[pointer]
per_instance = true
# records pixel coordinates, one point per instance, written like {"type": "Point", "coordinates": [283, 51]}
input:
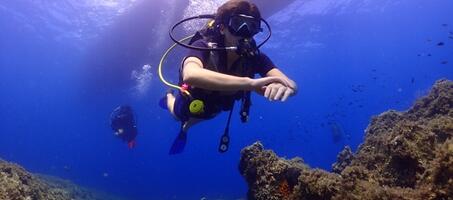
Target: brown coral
{"type": "Point", "coordinates": [284, 189]}
{"type": "Point", "coordinates": [18, 184]}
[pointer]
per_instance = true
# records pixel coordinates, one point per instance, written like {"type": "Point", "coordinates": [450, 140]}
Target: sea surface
{"type": "Point", "coordinates": [65, 65]}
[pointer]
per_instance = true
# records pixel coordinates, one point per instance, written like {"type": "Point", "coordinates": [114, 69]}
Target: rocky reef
{"type": "Point", "coordinates": [18, 184]}
{"type": "Point", "coordinates": [405, 155]}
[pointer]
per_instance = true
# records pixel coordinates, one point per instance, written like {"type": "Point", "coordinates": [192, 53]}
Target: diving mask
{"type": "Point", "coordinates": [244, 25]}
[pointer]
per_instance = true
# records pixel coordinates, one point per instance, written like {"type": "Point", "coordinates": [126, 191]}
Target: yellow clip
{"type": "Point", "coordinates": [211, 23]}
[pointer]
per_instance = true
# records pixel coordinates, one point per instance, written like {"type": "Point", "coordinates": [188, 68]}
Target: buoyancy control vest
{"type": "Point", "coordinates": [216, 101]}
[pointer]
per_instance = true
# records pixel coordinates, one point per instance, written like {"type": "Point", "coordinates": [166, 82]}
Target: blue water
{"type": "Point", "coordinates": [65, 65]}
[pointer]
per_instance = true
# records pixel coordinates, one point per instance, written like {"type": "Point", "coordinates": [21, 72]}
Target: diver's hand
{"type": "Point", "coordinates": [292, 85]}
{"type": "Point", "coordinates": [259, 83]}
{"type": "Point", "coordinates": [277, 91]}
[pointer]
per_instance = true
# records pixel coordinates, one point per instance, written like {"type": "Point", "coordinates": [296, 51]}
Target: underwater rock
{"type": "Point", "coordinates": [17, 183]}
{"type": "Point", "coordinates": [405, 155]}
{"type": "Point", "coordinates": [344, 158]}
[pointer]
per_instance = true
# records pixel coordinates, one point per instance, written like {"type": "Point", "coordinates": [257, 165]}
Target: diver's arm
{"type": "Point", "coordinates": [194, 74]}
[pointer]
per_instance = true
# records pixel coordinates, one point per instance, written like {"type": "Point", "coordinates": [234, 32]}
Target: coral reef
{"type": "Point", "coordinates": [405, 155]}
{"type": "Point", "coordinates": [18, 184]}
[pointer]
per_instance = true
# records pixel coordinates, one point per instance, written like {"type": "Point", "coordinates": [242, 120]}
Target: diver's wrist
{"type": "Point", "coordinates": [248, 83]}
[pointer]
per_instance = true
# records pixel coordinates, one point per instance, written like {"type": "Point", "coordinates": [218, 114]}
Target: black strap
{"type": "Point", "coordinates": [245, 106]}
{"type": "Point", "coordinates": [225, 139]}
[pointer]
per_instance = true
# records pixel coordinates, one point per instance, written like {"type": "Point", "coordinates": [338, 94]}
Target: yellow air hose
{"type": "Point", "coordinates": [162, 62]}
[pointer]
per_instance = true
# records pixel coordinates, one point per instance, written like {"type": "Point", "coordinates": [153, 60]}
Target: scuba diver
{"type": "Point", "coordinates": [220, 69]}
{"type": "Point", "coordinates": [123, 124]}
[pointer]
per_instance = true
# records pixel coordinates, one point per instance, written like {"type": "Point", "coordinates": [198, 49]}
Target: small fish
{"type": "Point", "coordinates": [444, 25]}
{"type": "Point", "coordinates": [412, 80]}
{"type": "Point", "coordinates": [428, 40]}
{"type": "Point", "coordinates": [451, 37]}
{"type": "Point", "coordinates": [444, 62]}
{"type": "Point", "coordinates": [348, 136]}
{"type": "Point", "coordinates": [440, 44]}
{"type": "Point", "coordinates": [423, 54]}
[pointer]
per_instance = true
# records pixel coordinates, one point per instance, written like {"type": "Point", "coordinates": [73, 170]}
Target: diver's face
{"type": "Point", "coordinates": [230, 39]}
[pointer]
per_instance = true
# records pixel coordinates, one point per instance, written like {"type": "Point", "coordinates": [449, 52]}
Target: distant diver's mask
{"type": "Point", "coordinates": [244, 25]}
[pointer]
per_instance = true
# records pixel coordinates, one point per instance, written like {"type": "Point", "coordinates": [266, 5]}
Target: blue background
{"type": "Point", "coordinates": [65, 65]}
